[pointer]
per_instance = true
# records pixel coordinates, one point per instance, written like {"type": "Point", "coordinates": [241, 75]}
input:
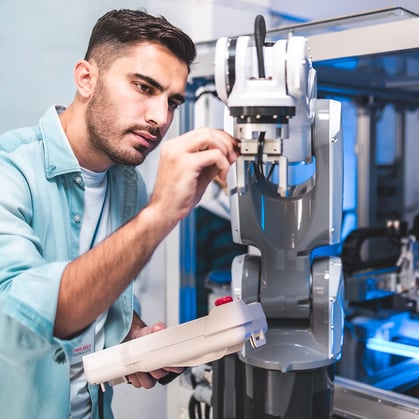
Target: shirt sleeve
{"type": "Point", "coordinates": [29, 284]}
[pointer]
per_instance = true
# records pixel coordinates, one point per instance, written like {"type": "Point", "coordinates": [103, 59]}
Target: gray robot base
{"type": "Point", "coordinates": [242, 391]}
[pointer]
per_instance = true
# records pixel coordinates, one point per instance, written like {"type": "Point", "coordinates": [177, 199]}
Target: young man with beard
{"type": "Point", "coordinates": [75, 228]}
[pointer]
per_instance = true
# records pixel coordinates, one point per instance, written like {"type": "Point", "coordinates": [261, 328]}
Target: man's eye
{"type": "Point", "coordinates": [173, 105]}
{"type": "Point", "coordinates": [144, 88]}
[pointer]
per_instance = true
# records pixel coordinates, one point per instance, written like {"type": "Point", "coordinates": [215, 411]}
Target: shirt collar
{"type": "Point", "coordinates": [59, 156]}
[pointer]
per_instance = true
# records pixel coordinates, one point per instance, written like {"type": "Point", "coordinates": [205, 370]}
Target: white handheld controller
{"type": "Point", "coordinates": [223, 331]}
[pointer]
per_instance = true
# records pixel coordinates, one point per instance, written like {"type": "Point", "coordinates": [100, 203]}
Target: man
{"type": "Point", "coordinates": [74, 226]}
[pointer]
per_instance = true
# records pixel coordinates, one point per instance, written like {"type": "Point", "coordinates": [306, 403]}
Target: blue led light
{"type": "Point", "coordinates": [262, 213]}
{"type": "Point", "coordinates": [393, 348]}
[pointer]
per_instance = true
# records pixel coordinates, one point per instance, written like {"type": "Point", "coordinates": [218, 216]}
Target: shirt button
{"type": "Point", "coordinates": [78, 180]}
{"type": "Point", "coordinates": [77, 218]}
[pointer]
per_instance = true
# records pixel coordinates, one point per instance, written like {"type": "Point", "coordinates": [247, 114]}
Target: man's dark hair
{"type": "Point", "coordinates": [118, 29]}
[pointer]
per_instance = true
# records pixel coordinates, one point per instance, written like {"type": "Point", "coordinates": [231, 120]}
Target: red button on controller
{"type": "Point", "coordinates": [223, 300]}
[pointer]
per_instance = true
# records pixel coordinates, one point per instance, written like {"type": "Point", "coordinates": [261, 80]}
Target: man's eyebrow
{"type": "Point", "coordinates": [158, 86]}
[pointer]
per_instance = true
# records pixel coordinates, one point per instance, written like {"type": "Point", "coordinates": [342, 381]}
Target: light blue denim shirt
{"type": "Point", "coordinates": [41, 209]}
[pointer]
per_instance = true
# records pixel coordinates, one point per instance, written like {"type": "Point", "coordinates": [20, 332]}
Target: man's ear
{"type": "Point", "coordinates": [85, 75]}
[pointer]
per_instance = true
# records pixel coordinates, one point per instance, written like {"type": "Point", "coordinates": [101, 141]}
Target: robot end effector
{"type": "Point", "coordinates": [270, 90]}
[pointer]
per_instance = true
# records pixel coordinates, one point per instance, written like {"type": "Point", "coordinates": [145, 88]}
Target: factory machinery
{"type": "Point", "coordinates": [317, 290]}
{"type": "Point", "coordinates": [286, 201]}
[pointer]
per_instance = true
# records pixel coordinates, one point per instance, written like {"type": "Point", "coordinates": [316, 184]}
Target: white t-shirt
{"type": "Point", "coordinates": [95, 227]}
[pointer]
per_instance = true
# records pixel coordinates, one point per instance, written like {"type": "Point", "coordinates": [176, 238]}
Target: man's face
{"type": "Point", "coordinates": [133, 103]}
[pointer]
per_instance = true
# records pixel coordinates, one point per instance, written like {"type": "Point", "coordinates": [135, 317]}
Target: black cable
{"type": "Point", "coordinates": [194, 409]}
{"type": "Point", "coordinates": [259, 157]}
{"type": "Point", "coordinates": [191, 408]}
{"type": "Point", "coordinates": [100, 403]}
{"type": "Point", "coordinates": [260, 33]}
{"type": "Point", "coordinates": [207, 411]}
{"type": "Point", "coordinates": [194, 405]}
{"type": "Point", "coordinates": [271, 170]}
{"type": "Point", "coordinates": [207, 92]}
{"type": "Point", "coordinates": [169, 378]}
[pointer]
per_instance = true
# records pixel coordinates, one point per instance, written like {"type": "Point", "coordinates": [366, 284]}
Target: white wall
{"type": "Point", "coordinates": [39, 44]}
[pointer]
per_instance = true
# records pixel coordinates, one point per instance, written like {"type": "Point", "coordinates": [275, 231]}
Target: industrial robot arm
{"type": "Point", "coordinates": [286, 197]}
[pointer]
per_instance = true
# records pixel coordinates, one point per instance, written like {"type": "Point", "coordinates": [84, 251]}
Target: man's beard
{"type": "Point", "coordinates": [104, 136]}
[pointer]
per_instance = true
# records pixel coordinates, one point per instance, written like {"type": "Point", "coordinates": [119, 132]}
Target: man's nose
{"type": "Point", "coordinates": [157, 111]}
